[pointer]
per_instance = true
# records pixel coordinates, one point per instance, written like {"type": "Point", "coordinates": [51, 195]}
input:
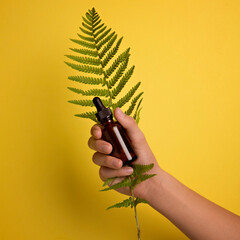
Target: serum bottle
{"type": "Point", "coordinates": [114, 133]}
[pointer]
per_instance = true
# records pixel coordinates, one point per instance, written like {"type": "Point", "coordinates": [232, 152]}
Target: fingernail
{"type": "Point", "coordinates": [120, 112]}
{"type": "Point", "coordinates": [129, 170]}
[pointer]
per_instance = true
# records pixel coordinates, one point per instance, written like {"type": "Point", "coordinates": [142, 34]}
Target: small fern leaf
{"type": "Point", "coordinates": [91, 92]}
{"type": "Point", "coordinates": [108, 181]}
{"type": "Point", "coordinates": [138, 115]}
{"type": "Point", "coordinates": [90, 115]}
{"type": "Point", "coordinates": [87, 103]}
{"type": "Point", "coordinates": [119, 73]}
{"type": "Point", "coordinates": [136, 111]}
{"type": "Point", "coordinates": [140, 169]}
{"type": "Point", "coordinates": [133, 104]}
{"type": "Point", "coordinates": [86, 21]}
{"type": "Point", "coordinates": [87, 27]}
{"type": "Point", "coordinates": [86, 69]}
{"type": "Point", "coordinates": [124, 183]}
{"type": "Point", "coordinates": [85, 60]}
{"type": "Point", "coordinates": [105, 40]}
{"type": "Point", "coordinates": [116, 63]}
{"type": "Point", "coordinates": [89, 39]}
{"type": "Point", "coordinates": [91, 53]}
{"type": "Point", "coordinates": [142, 178]}
{"type": "Point", "coordinates": [122, 83]}
{"type": "Point", "coordinates": [96, 23]}
{"type": "Point", "coordinates": [100, 31]}
{"type": "Point", "coordinates": [122, 101]}
{"type": "Point", "coordinates": [103, 35]}
{"type": "Point", "coordinates": [111, 53]}
{"type": "Point", "coordinates": [86, 80]}
{"type": "Point", "coordinates": [139, 200]}
{"type": "Point", "coordinates": [125, 203]}
{"type": "Point", "coordinates": [98, 27]}
{"type": "Point", "coordinates": [86, 32]}
{"type": "Point", "coordinates": [84, 44]}
{"type": "Point", "coordinates": [108, 46]}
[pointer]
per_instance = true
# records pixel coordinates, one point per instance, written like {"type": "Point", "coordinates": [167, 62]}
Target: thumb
{"type": "Point", "coordinates": [133, 131]}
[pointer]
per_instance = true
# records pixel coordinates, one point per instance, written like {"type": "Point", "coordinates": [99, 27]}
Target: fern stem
{"type": "Point", "coordinates": [135, 212]}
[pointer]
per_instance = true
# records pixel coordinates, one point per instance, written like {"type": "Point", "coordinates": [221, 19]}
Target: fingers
{"type": "Point", "coordinates": [106, 160]}
{"type": "Point", "coordinates": [96, 131]}
{"type": "Point", "coordinates": [100, 145]}
{"type": "Point", "coordinates": [106, 173]}
{"type": "Point", "coordinates": [128, 122]}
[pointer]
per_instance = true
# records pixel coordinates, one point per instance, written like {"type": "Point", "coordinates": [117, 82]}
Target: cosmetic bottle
{"type": "Point", "coordinates": [114, 133]}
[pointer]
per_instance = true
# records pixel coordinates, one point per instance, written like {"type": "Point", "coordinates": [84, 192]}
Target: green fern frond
{"type": "Point", "coordinates": [85, 60]}
{"type": "Point", "coordinates": [87, 103]}
{"type": "Point", "coordinates": [86, 80]}
{"type": "Point", "coordinates": [105, 40]}
{"type": "Point", "coordinates": [122, 82]}
{"type": "Point", "coordinates": [85, 68]}
{"type": "Point", "coordinates": [86, 32]}
{"type": "Point", "coordinates": [123, 183]}
{"type": "Point", "coordinates": [138, 115]}
{"type": "Point", "coordinates": [133, 104]}
{"type": "Point", "coordinates": [86, 21]}
{"type": "Point", "coordinates": [122, 101]}
{"type": "Point", "coordinates": [108, 46]}
{"type": "Point", "coordinates": [103, 35]}
{"type": "Point", "coordinates": [99, 32]}
{"type": "Point", "coordinates": [91, 92]}
{"type": "Point", "coordinates": [119, 73]}
{"type": "Point", "coordinates": [108, 181]}
{"type": "Point", "coordinates": [139, 200]}
{"type": "Point", "coordinates": [140, 169]}
{"type": "Point", "coordinates": [84, 43]}
{"type": "Point", "coordinates": [96, 23]}
{"type": "Point", "coordinates": [90, 115]}
{"type": "Point", "coordinates": [136, 111]}
{"type": "Point", "coordinates": [89, 39]}
{"type": "Point", "coordinates": [92, 53]}
{"type": "Point", "coordinates": [142, 178]}
{"type": "Point", "coordinates": [125, 203]}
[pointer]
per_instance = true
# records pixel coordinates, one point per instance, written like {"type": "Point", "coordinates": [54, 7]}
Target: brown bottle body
{"type": "Point", "coordinates": [114, 133]}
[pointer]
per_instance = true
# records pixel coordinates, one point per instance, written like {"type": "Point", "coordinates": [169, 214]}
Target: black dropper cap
{"type": "Point", "coordinates": [103, 114]}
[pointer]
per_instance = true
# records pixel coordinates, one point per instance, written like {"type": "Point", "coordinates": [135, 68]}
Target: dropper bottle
{"type": "Point", "coordinates": [114, 133]}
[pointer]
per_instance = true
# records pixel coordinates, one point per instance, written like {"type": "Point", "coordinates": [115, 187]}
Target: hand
{"type": "Point", "coordinates": [111, 166]}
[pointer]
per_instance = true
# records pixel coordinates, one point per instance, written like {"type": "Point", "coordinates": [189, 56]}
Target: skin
{"type": "Point", "coordinates": [194, 215]}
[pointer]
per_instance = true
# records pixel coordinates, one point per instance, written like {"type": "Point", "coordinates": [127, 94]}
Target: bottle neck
{"type": "Point", "coordinates": [107, 121]}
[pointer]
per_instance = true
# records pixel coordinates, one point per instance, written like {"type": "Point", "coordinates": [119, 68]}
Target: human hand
{"type": "Point", "coordinates": [111, 166]}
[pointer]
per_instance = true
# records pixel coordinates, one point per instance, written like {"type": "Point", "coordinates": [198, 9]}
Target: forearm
{"type": "Point", "coordinates": [194, 215]}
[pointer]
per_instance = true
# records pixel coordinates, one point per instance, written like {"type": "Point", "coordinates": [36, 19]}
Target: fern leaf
{"type": "Point", "coordinates": [136, 111]}
{"type": "Point", "coordinates": [86, 32]}
{"type": "Point", "coordinates": [99, 32]}
{"type": "Point", "coordinates": [86, 21]}
{"type": "Point", "coordinates": [124, 183]}
{"type": "Point", "coordinates": [105, 40]}
{"type": "Point", "coordinates": [87, 103]}
{"type": "Point", "coordinates": [133, 104]}
{"type": "Point", "coordinates": [122, 101]}
{"type": "Point", "coordinates": [89, 39]}
{"type": "Point", "coordinates": [87, 27]}
{"type": "Point", "coordinates": [89, 16]}
{"type": "Point", "coordinates": [122, 82]}
{"type": "Point", "coordinates": [86, 80]}
{"type": "Point", "coordinates": [84, 44]}
{"type": "Point", "coordinates": [85, 60]}
{"type": "Point", "coordinates": [142, 178]}
{"type": "Point", "coordinates": [108, 46]}
{"type": "Point", "coordinates": [119, 73]}
{"type": "Point", "coordinates": [86, 69]}
{"type": "Point", "coordinates": [139, 200]}
{"type": "Point", "coordinates": [140, 169]}
{"type": "Point", "coordinates": [138, 116]}
{"type": "Point", "coordinates": [112, 53]}
{"type": "Point", "coordinates": [125, 203]}
{"type": "Point", "coordinates": [91, 92]}
{"type": "Point", "coordinates": [103, 35]}
{"type": "Point", "coordinates": [109, 180]}
{"type": "Point", "coordinates": [90, 115]}
{"type": "Point", "coordinates": [92, 53]}
{"type": "Point", "coordinates": [96, 23]}
{"type": "Point", "coordinates": [98, 27]}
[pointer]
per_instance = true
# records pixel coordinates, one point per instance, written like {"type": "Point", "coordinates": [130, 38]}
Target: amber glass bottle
{"type": "Point", "coordinates": [114, 133]}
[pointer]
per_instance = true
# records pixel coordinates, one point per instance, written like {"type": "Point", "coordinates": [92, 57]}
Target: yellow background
{"type": "Point", "coordinates": [186, 55]}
